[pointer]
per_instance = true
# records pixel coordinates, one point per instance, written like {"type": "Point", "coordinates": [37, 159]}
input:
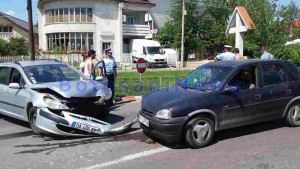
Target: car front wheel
{"type": "Point", "coordinates": [199, 132]}
{"type": "Point", "coordinates": [293, 115]}
{"type": "Point", "coordinates": [32, 120]}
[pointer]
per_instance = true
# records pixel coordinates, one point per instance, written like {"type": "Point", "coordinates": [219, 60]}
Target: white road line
{"type": "Point", "coordinates": [129, 158]}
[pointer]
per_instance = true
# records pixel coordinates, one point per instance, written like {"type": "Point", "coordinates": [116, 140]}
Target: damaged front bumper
{"type": "Point", "coordinates": [70, 124]}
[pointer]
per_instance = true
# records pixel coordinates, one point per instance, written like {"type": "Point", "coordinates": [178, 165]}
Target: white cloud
{"type": "Point", "coordinates": [10, 12]}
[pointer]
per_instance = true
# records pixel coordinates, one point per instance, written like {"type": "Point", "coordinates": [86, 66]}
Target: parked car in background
{"type": "Point", "coordinates": [54, 98]}
{"type": "Point", "coordinates": [222, 95]}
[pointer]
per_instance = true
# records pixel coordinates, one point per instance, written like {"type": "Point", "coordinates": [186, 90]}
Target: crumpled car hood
{"type": "Point", "coordinates": [70, 89]}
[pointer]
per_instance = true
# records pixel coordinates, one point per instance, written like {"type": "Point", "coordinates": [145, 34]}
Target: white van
{"type": "Point", "coordinates": [150, 50]}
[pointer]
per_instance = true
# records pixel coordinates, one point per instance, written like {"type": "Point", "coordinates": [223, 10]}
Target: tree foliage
{"type": "Point", "coordinates": [206, 22]}
{"type": "Point", "coordinates": [14, 47]}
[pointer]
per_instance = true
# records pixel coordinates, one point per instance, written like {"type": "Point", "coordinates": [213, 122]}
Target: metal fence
{"type": "Point", "coordinates": [70, 59]}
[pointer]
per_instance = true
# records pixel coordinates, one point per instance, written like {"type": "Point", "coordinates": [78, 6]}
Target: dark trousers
{"type": "Point", "coordinates": [111, 85]}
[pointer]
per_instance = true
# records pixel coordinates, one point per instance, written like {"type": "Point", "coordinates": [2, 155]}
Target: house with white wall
{"type": "Point", "coordinates": [78, 26]}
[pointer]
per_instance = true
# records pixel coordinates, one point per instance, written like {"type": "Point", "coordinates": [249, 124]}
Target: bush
{"type": "Point", "coordinates": [14, 47]}
{"type": "Point", "coordinates": [18, 46]}
{"type": "Point", "coordinates": [291, 53]}
{"type": "Point", "coordinates": [4, 48]}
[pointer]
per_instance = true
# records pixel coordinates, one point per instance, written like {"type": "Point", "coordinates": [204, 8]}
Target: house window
{"type": "Point", "coordinates": [5, 29]}
{"type": "Point", "coordinates": [130, 20]}
{"type": "Point", "coordinates": [69, 15]}
{"type": "Point", "coordinates": [70, 41]}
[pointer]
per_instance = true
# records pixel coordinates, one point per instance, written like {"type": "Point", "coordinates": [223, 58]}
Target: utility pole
{"type": "Point", "coordinates": [30, 24]}
{"type": "Point", "coordinates": [182, 34]}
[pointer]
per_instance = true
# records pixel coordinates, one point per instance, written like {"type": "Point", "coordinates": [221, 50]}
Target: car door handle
{"type": "Point", "coordinates": [289, 91]}
{"type": "Point", "coordinates": [258, 96]}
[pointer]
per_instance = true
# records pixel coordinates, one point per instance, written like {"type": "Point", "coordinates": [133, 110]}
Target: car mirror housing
{"type": "Point", "coordinates": [14, 86]}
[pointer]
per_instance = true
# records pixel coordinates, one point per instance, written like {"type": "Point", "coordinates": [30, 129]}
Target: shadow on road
{"type": "Point", "coordinates": [73, 142]}
{"type": "Point", "coordinates": [232, 133]}
{"type": "Point", "coordinates": [15, 121]}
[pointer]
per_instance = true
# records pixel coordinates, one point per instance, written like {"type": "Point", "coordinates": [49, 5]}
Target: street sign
{"type": "Point", "coordinates": [141, 65]}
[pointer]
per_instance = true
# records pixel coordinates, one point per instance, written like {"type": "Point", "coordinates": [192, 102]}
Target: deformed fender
{"type": "Point", "coordinates": [38, 101]}
{"type": "Point", "coordinates": [207, 111]}
{"type": "Point", "coordinates": [289, 104]}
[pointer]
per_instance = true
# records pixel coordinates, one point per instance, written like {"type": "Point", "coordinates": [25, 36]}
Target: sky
{"type": "Point", "coordinates": [17, 8]}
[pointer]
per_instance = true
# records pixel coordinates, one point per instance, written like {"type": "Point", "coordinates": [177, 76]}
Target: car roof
{"type": "Point", "coordinates": [32, 63]}
{"type": "Point", "coordinates": [238, 63]}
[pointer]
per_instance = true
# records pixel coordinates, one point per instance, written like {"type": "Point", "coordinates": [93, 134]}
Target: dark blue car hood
{"type": "Point", "coordinates": [175, 99]}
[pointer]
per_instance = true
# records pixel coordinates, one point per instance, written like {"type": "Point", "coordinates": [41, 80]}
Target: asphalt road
{"type": "Point", "coordinates": [261, 146]}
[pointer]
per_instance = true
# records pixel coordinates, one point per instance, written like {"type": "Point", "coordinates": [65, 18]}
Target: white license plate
{"type": "Point", "coordinates": [144, 121]}
{"type": "Point", "coordinates": [83, 127]}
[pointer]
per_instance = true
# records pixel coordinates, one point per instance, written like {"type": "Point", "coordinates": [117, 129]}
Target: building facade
{"type": "Point", "coordinates": [14, 27]}
{"type": "Point", "coordinates": [78, 26]}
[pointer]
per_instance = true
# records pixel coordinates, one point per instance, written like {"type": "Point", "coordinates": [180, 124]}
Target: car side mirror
{"type": "Point", "coordinates": [230, 89]}
{"type": "Point", "coordinates": [164, 52]}
{"type": "Point", "coordinates": [14, 86]}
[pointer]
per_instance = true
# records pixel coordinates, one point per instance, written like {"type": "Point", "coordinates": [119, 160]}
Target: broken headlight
{"type": "Point", "coordinates": [55, 104]}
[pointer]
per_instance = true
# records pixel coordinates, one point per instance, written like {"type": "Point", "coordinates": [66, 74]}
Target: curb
{"type": "Point", "coordinates": [128, 98]}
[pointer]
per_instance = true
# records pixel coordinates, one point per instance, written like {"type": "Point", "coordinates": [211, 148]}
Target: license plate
{"type": "Point", "coordinates": [83, 127]}
{"type": "Point", "coordinates": [144, 121]}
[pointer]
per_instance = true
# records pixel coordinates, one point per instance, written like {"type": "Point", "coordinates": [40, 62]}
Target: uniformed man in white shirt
{"type": "Point", "coordinates": [111, 71]}
{"type": "Point", "coordinates": [226, 55]}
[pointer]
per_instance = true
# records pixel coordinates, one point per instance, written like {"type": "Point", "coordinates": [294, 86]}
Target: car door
{"type": "Point", "coordinates": [17, 99]}
{"type": "Point", "coordinates": [4, 76]}
{"type": "Point", "coordinates": [235, 111]}
{"type": "Point", "coordinates": [275, 79]}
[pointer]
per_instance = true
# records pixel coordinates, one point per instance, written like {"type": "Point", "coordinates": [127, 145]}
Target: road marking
{"type": "Point", "coordinates": [129, 158]}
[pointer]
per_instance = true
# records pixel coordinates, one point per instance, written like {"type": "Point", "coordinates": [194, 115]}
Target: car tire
{"type": "Point", "coordinates": [199, 132]}
{"type": "Point", "coordinates": [32, 120]}
{"type": "Point", "coordinates": [293, 115]}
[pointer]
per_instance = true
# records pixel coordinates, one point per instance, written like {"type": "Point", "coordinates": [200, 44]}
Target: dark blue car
{"type": "Point", "coordinates": [222, 95]}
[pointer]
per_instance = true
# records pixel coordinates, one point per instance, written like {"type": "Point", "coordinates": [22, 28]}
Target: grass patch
{"type": "Point", "coordinates": [129, 84]}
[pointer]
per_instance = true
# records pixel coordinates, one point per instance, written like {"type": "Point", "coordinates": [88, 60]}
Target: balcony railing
{"type": "Point", "coordinates": [136, 30]}
{"type": "Point", "coordinates": [5, 35]}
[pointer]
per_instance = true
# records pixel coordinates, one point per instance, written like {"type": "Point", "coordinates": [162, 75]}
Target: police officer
{"type": "Point", "coordinates": [226, 55]}
{"type": "Point", "coordinates": [111, 71]}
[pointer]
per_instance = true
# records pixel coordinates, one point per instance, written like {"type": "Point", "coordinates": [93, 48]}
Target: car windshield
{"type": "Point", "coordinates": [206, 78]}
{"type": "Point", "coordinates": [154, 50]}
{"type": "Point", "coordinates": [52, 73]}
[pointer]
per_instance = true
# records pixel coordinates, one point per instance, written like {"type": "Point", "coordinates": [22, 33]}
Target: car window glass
{"type": "Point", "coordinates": [51, 73]}
{"type": "Point", "coordinates": [15, 76]}
{"type": "Point", "coordinates": [273, 74]}
{"type": "Point", "coordinates": [245, 79]}
{"type": "Point", "coordinates": [293, 71]}
{"type": "Point", "coordinates": [4, 71]}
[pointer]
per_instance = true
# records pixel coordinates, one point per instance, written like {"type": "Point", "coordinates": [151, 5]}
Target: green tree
{"type": "Point", "coordinates": [4, 51]}
{"type": "Point", "coordinates": [18, 46]}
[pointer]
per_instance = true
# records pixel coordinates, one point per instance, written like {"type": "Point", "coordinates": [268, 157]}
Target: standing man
{"type": "Point", "coordinates": [226, 55]}
{"type": "Point", "coordinates": [266, 54]}
{"type": "Point", "coordinates": [111, 71]}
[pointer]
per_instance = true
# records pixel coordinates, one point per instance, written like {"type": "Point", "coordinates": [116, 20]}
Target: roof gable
{"type": "Point", "coordinates": [245, 18]}
{"type": "Point", "coordinates": [19, 22]}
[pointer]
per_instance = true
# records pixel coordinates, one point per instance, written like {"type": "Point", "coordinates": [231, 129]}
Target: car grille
{"type": "Point", "coordinates": [147, 112]}
{"type": "Point", "coordinates": [159, 60]}
{"type": "Point", "coordinates": [84, 106]}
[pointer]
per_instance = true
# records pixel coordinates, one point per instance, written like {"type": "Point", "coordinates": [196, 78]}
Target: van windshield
{"type": "Point", "coordinates": [154, 50]}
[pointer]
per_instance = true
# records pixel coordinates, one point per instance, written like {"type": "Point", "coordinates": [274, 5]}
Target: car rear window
{"type": "Point", "coordinates": [4, 72]}
{"type": "Point", "coordinates": [293, 71]}
{"type": "Point", "coordinates": [274, 74]}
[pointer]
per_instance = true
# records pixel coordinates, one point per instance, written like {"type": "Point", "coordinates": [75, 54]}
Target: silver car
{"type": "Point", "coordinates": [54, 98]}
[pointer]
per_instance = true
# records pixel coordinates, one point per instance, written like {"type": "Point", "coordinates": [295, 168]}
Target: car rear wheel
{"type": "Point", "coordinates": [199, 132]}
{"type": "Point", "coordinates": [293, 115]}
{"type": "Point", "coordinates": [32, 120]}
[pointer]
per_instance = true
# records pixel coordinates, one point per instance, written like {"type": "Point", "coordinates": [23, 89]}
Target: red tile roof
{"type": "Point", "coordinates": [296, 23]}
